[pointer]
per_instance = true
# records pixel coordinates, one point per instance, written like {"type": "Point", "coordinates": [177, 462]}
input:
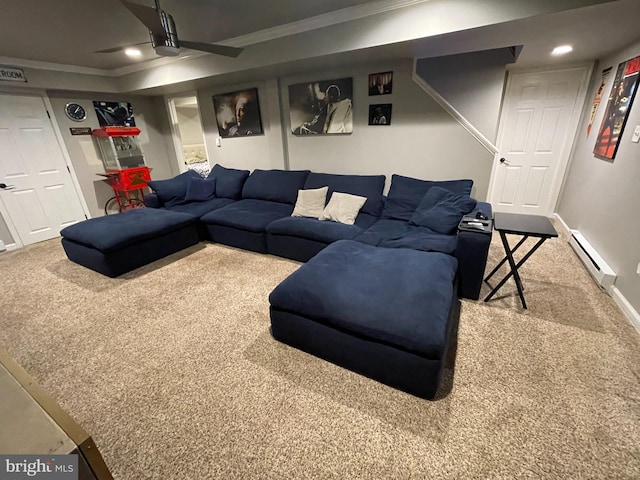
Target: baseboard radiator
{"type": "Point", "coordinates": [596, 266]}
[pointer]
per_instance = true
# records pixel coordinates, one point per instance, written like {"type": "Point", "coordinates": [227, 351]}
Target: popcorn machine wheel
{"type": "Point", "coordinates": [128, 186]}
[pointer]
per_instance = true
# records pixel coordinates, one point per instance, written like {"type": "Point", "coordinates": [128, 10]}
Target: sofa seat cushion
{"type": "Point", "coordinates": [114, 232]}
{"type": "Point", "coordinates": [370, 186]}
{"type": "Point", "coordinates": [314, 229]}
{"type": "Point", "coordinates": [400, 297]}
{"type": "Point", "coordinates": [198, 209]}
{"type": "Point", "coordinates": [251, 215]}
{"type": "Point", "coordinates": [399, 234]}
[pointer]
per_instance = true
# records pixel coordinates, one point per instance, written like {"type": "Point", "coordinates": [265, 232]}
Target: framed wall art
{"type": "Point", "coordinates": [380, 83]}
{"type": "Point", "coordinates": [625, 85]}
{"type": "Point", "coordinates": [321, 107]}
{"type": "Point", "coordinates": [380, 114]}
{"type": "Point", "coordinates": [238, 113]}
{"type": "Point", "coordinates": [114, 114]}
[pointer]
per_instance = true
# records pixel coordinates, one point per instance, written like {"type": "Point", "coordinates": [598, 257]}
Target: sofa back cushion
{"type": "Point", "coordinates": [406, 193]}
{"type": "Point", "coordinates": [229, 181]}
{"type": "Point", "coordinates": [370, 186]}
{"type": "Point", "coordinates": [172, 192]}
{"type": "Point", "coordinates": [441, 210]}
{"type": "Point", "coordinates": [275, 185]}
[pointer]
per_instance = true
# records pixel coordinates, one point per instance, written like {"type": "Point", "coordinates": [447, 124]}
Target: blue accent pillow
{"type": "Point", "coordinates": [200, 189]}
{"type": "Point", "coordinates": [406, 193]}
{"type": "Point", "coordinates": [441, 210]}
{"type": "Point", "coordinates": [229, 181]}
{"type": "Point", "coordinates": [171, 192]}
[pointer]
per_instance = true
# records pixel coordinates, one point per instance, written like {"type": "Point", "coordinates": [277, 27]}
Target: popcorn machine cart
{"type": "Point", "coordinates": [125, 169]}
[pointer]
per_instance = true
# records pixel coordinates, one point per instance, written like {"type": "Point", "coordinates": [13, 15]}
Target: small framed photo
{"type": "Point", "coordinates": [380, 114]}
{"type": "Point", "coordinates": [380, 83]}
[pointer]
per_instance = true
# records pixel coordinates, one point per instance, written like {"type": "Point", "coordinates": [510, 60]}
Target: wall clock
{"type": "Point", "coordinates": [75, 112]}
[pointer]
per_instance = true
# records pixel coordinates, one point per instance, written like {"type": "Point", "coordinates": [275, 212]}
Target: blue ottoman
{"type": "Point", "coordinates": [117, 244]}
{"type": "Point", "coordinates": [382, 312]}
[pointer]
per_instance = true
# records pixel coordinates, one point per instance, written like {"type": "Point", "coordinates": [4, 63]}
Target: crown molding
{"type": "Point", "coordinates": [343, 15]}
{"type": "Point", "coordinates": [59, 67]}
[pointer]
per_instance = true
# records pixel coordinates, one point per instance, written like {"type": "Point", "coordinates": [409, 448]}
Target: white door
{"type": "Point", "coordinates": [539, 119]}
{"type": "Point", "coordinates": [39, 196]}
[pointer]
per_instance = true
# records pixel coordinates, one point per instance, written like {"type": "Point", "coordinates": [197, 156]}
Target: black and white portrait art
{"type": "Point", "coordinates": [322, 107]}
{"type": "Point", "coordinates": [238, 113]}
{"type": "Point", "coordinates": [380, 114]}
{"type": "Point", "coordinates": [380, 83]}
{"type": "Point", "coordinates": [114, 114]}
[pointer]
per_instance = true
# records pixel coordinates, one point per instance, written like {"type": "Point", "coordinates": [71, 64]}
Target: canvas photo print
{"type": "Point", "coordinates": [238, 113]}
{"type": "Point", "coordinates": [114, 114]}
{"type": "Point", "coordinates": [380, 114]}
{"type": "Point", "coordinates": [321, 107]}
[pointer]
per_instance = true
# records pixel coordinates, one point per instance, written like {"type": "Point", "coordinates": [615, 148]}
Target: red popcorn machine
{"type": "Point", "coordinates": [125, 169]}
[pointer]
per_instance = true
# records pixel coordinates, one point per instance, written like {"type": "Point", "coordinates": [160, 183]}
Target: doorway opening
{"type": "Point", "coordinates": [188, 135]}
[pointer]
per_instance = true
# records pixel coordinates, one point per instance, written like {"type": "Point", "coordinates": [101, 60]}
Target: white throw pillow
{"type": "Point", "coordinates": [310, 203]}
{"type": "Point", "coordinates": [343, 208]}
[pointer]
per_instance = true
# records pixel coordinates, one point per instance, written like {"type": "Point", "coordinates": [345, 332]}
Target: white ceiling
{"type": "Point", "coordinates": [68, 32]}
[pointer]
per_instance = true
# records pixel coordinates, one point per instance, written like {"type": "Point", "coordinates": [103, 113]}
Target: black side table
{"type": "Point", "coordinates": [528, 226]}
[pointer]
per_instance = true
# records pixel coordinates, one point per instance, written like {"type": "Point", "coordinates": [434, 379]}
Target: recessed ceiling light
{"type": "Point", "coordinates": [132, 52]}
{"type": "Point", "coordinates": [562, 49]}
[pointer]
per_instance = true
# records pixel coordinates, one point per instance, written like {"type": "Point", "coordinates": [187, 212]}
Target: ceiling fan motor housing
{"type": "Point", "coordinates": [166, 45]}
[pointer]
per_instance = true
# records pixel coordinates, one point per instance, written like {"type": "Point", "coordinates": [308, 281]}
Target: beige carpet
{"type": "Point", "coordinates": [174, 372]}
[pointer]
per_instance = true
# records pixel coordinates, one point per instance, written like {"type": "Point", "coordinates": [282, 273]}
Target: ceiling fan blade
{"type": "Point", "coordinates": [147, 15]}
{"type": "Point", "coordinates": [119, 49]}
{"type": "Point", "coordinates": [211, 48]}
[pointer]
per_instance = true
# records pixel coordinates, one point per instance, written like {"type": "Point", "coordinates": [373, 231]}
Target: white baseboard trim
{"type": "Point", "coordinates": [631, 313]}
{"type": "Point", "coordinates": [565, 228]}
{"type": "Point", "coordinates": [622, 302]}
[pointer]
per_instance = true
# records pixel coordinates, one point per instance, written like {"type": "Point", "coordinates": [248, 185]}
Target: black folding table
{"type": "Point", "coordinates": [527, 226]}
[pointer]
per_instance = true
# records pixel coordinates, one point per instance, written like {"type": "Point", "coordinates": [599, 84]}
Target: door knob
{"type": "Point", "coordinates": [504, 160]}
{"type": "Point", "coordinates": [4, 186]}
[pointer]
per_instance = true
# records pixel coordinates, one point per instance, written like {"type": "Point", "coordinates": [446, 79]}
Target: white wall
{"type": "Point", "coordinates": [189, 125]}
{"type": "Point", "coordinates": [422, 141]}
{"type": "Point", "coordinates": [601, 197]}
{"type": "Point", "coordinates": [472, 83]}
{"type": "Point", "coordinates": [250, 152]}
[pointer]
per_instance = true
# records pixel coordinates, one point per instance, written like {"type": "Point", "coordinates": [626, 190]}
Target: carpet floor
{"type": "Point", "coordinates": [173, 371]}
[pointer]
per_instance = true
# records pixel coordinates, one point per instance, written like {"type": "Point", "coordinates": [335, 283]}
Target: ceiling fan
{"type": "Point", "coordinates": [164, 36]}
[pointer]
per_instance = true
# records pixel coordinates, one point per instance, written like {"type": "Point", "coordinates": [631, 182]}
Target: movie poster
{"type": "Point", "coordinates": [619, 105]}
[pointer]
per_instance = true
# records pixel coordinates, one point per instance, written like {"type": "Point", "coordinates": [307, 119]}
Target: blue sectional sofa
{"type": "Point", "coordinates": [379, 291]}
{"type": "Point", "coordinates": [253, 211]}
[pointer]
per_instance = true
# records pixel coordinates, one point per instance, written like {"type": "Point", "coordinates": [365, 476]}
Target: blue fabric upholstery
{"type": "Point", "coordinates": [198, 209]}
{"type": "Point", "coordinates": [406, 193]}
{"type": "Point", "coordinates": [274, 185]}
{"type": "Point", "coordinates": [370, 186]}
{"type": "Point", "coordinates": [400, 297]}
{"type": "Point", "coordinates": [441, 211]}
{"type": "Point", "coordinates": [172, 191]}
{"type": "Point", "coordinates": [117, 262]}
{"type": "Point", "coordinates": [251, 215]}
{"type": "Point", "coordinates": [313, 229]}
{"type": "Point", "coordinates": [200, 189]}
{"type": "Point", "coordinates": [399, 234]}
{"type": "Point", "coordinates": [472, 250]}
{"type": "Point", "coordinates": [229, 181]}
{"type": "Point", "coordinates": [151, 200]}
{"type": "Point", "coordinates": [113, 232]}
